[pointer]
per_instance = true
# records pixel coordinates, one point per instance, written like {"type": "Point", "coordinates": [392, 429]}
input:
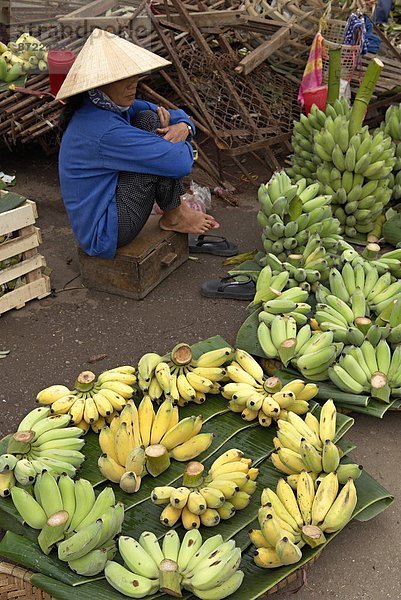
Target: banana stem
{"type": "Point", "coordinates": [313, 536]}
{"type": "Point", "coordinates": [193, 474]}
{"type": "Point", "coordinates": [380, 388]}
{"type": "Point", "coordinates": [272, 385]}
{"type": "Point", "coordinates": [181, 354]}
{"type": "Point", "coordinates": [20, 442]}
{"type": "Point", "coordinates": [364, 95]}
{"type": "Point", "coordinates": [286, 350]}
{"type": "Point", "coordinates": [371, 251]}
{"type": "Point", "coordinates": [333, 88]}
{"type": "Point", "coordinates": [84, 381]}
{"type": "Point", "coordinates": [53, 531]}
{"type": "Point", "coordinates": [363, 324]}
{"type": "Point", "coordinates": [157, 459]}
{"type": "Point", "coordinates": [169, 578]}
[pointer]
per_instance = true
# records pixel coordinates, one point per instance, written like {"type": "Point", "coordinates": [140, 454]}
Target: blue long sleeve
{"type": "Point", "coordinates": [131, 149]}
{"type": "Point", "coordinates": [96, 146]}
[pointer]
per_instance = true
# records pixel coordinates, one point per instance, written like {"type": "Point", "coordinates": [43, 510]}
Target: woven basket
{"type": "Point", "coordinates": [332, 31]}
{"type": "Point", "coordinates": [15, 582]}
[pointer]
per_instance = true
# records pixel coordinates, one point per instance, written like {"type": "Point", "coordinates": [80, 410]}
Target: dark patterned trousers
{"type": "Point", "coordinates": [136, 193]}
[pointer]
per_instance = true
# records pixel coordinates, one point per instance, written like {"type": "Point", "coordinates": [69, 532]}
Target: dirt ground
{"type": "Point", "coordinates": [51, 341]}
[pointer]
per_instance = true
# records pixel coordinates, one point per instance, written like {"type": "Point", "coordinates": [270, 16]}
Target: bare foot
{"type": "Point", "coordinates": [186, 220]}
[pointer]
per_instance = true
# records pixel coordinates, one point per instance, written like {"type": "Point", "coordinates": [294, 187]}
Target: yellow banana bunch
{"type": "Point", "coordinates": [205, 500]}
{"type": "Point", "coordinates": [290, 518]}
{"type": "Point", "coordinates": [92, 401]}
{"type": "Point", "coordinates": [141, 440]}
{"type": "Point", "coordinates": [256, 396]}
{"type": "Point", "coordinates": [180, 377]}
{"type": "Point", "coordinates": [307, 445]}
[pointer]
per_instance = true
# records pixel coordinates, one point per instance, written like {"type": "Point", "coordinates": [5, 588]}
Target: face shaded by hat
{"type": "Point", "coordinates": [106, 58]}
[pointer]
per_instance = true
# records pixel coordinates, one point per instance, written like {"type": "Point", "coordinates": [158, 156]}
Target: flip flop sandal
{"type": "Point", "coordinates": [229, 288]}
{"type": "Point", "coordinates": [209, 243]}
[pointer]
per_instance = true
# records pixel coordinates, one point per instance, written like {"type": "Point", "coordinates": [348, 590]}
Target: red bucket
{"type": "Point", "coordinates": [317, 95]}
{"type": "Point", "coordinates": [59, 62]}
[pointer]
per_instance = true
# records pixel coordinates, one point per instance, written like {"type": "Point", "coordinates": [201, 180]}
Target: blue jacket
{"type": "Point", "coordinates": [95, 147]}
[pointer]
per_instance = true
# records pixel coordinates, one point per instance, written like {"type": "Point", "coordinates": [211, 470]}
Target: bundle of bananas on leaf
{"type": "Point", "coordinates": [141, 441]}
{"type": "Point", "coordinates": [276, 300]}
{"type": "Point", "coordinates": [209, 569]}
{"type": "Point", "coordinates": [42, 442]}
{"type": "Point", "coordinates": [383, 261]}
{"type": "Point", "coordinates": [180, 377]}
{"type": "Point", "coordinates": [309, 265]}
{"type": "Point", "coordinates": [92, 402]}
{"type": "Point", "coordinates": [392, 127]}
{"type": "Point", "coordinates": [256, 396]}
{"type": "Point", "coordinates": [354, 296]}
{"type": "Point", "coordinates": [70, 515]}
{"type": "Point", "coordinates": [290, 213]}
{"type": "Point", "coordinates": [289, 520]}
{"type": "Point", "coordinates": [372, 368]}
{"type": "Point", "coordinates": [356, 171]}
{"type": "Point", "coordinates": [311, 352]}
{"type": "Point", "coordinates": [17, 58]}
{"type": "Point", "coordinates": [305, 161]}
{"type": "Point", "coordinates": [205, 500]}
{"type": "Point", "coordinates": [307, 445]}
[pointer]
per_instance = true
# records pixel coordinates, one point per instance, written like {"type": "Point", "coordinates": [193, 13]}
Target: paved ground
{"type": "Point", "coordinates": [52, 340]}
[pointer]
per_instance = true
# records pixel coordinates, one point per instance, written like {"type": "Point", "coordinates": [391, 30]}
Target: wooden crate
{"type": "Point", "coordinates": [139, 266]}
{"type": "Point", "coordinates": [25, 240]}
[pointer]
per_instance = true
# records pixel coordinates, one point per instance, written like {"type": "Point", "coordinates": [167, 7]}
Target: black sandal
{"type": "Point", "coordinates": [230, 288]}
{"type": "Point", "coordinates": [209, 243]}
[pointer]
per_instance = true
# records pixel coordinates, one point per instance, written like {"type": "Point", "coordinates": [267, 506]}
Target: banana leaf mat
{"type": "Point", "coordinates": [54, 576]}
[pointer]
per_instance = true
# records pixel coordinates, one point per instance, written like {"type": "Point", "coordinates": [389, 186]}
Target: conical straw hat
{"type": "Point", "coordinates": [105, 58]}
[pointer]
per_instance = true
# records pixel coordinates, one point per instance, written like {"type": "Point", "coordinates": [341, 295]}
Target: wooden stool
{"type": "Point", "coordinates": [139, 266]}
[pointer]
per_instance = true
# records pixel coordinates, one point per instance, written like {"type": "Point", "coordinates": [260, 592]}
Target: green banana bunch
{"type": "Point", "coordinates": [288, 216]}
{"type": "Point", "coordinates": [256, 396]}
{"type": "Point", "coordinates": [209, 569]}
{"type": "Point", "coordinates": [42, 442]}
{"type": "Point", "coordinates": [315, 352]}
{"type": "Point", "coordinates": [392, 127]}
{"type": "Point", "coordinates": [372, 368]}
{"type": "Point", "coordinates": [205, 500]}
{"type": "Point", "coordinates": [356, 171]}
{"type": "Point", "coordinates": [290, 518]}
{"type": "Point", "coordinates": [305, 158]}
{"type": "Point", "coordinates": [93, 401]}
{"type": "Point", "coordinates": [68, 514]}
{"type": "Point", "coordinates": [180, 377]}
{"type": "Point", "coordinates": [356, 295]}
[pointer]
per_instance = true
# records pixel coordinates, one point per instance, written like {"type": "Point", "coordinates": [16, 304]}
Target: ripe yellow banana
{"type": "Point", "coordinates": [193, 447]}
{"type": "Point", "coordinates": [215, 358]}
{"type": "Point", "coordinates": [179, 434]}
{"type": "Point", "coordinates": [305, 496]}
{"type": "Point", "coordinates": [146, 416]}
{"type": "Point", "coordinates": [107, 442]}
{"type": "Point", "coordinates": [161, 422]}
{"type": "Point", "coordinates": [110, 469]}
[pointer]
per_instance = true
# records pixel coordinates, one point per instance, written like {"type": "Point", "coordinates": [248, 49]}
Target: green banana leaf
{"type": "Point", "coordinates": [247, 335]}
{"type": "Point", "coordinates": [230, 431]}
{"type": "Point", "coordinates": [248, 267]}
